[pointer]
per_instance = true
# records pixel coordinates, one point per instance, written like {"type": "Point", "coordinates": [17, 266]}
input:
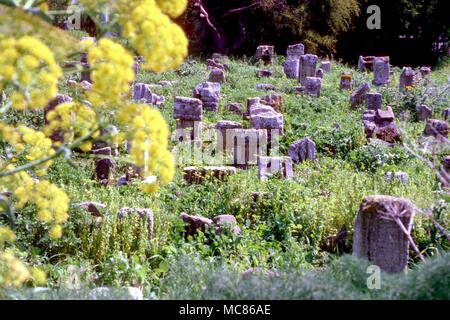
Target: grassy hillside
{"type": "Point", "coordinates": [285, 232]}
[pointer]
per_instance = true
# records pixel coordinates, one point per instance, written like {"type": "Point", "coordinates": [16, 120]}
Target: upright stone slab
{"type": "Point", "coordinates": [307, 67]}
{"type": "Point", "coordinates": [86, 75]}
{"type": "Point", "coordinates": [265, 54]}
{"type": "Point", "coordinates": [145, 214]}
{"type": "Point", "coordinates": [436, 128]}
{"type": "Point", "coordinates": [313, 86]}
{"type": "Point", "coordinates": [106, 136]}
{"type": "Point", "coordinates": [381, 71]}
{"type": "Point", "coordinates": [188, 113]}
{"type": "Point", "coordinates": [57, 135]}
{"type": "Point", "coordinates": [295, 51]}
{"type": "Point", "coordinates": [271, 121]}
{"type": "Point", "coordinates": [423, 113]}
{"type": "Point", "coordinates": [346, 81]}
{"type": "Point", "coordinates": [235, 108]}
{"type": "Point", "coordinates": [217, 75]}
{"type": "Point", "coordinates": [325, 66]}
{"type": "Point", "coordinates": [302, 150]}
{"type": "Point", "coordinates": [270, 166]}
{"type": "Point", "coordinates": [358, 97]}
{"type": "Point", "coordinates": [209, 94]}
{"type": "Point", "coordinates": [373, 101]}
{"type": "Point", "coordinates": [378, 238]}
{"type": "Point", "coordinates": [408, 79]}
{"type": "Point", "coordinates": [105, 166]}
{"type": "Point", "coordinates": [425, 73]}
{"type": "Point", "coordinates": [142, 91]}
{"type": "Point", "coordinates": [399, 176]}
{"type": "Point", "coordinates": [291, 68]}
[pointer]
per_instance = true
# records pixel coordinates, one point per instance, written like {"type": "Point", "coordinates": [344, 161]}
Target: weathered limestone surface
{"type": "Point", "coordinates": [378, 238]}
{"type": "Point", "coordinates": [307, 67]}
{"type": "Point", "coordinates": [302, 150]}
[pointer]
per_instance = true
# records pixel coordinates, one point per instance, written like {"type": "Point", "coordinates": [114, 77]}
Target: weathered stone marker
{"type": "Point", "coordinates": [295, 51]}
{"type": "Point", "coordinates": [313, 86]}
{"type": "Point", "coordinates": [378, 238]}
{"type": "Point", "coordinates": [325, 66]}
{"type": "Point", "coordinates": [365, 63]}
{"type": "Point", "coordinates": [408, 79]}
{"type": "Point", "coordinates": [302, 150]}
{"type": "Point", "coordinates": [358, 97]}
{"type": "Point", "coordinates": [189, 115]}
{"type": "Point", "coordinates": [346, 81]}
{"type": "Point", "coordinates": [217, 75]}
{"type": "Point", "coordinates": [381, 71]}
{"type": "Point", "coordinates": [373, 101]}
{"type": "Point", "coordinates": [291, 68]}
{"type": "Point", "coordinates": [104, 167]}
{"type": "Point", "coordinates": [307, 67]}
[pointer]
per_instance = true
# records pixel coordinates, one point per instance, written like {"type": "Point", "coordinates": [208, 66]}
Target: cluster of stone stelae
{"type": "Point", "coordinates": [251, 146]}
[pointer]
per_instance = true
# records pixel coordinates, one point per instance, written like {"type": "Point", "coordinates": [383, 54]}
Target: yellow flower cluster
{"type": "Point", "coordinates": [149, 144]}
{"type": "Point", "coordinates": [112, 73]}
{"type": "Point", "coordinates": [29, 66]}
{"type": "Point", "coordinates": [6, 235]}
{"type": "Point", "coordinates": [173, 8]}
{"type": "Point", "coordinates": [27, 142]}
{"type": "Point", "coordinates": [160, 41]}
{"type": "Point", "coordinates": [12, 271]}
{"type": "Point", "coordinates": [74, 119]}
{"type": "Point", "coordinates": [52, 203]}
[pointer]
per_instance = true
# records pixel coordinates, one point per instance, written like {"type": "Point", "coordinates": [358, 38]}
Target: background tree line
{"type": "Point", "coordinates": [413, 32]}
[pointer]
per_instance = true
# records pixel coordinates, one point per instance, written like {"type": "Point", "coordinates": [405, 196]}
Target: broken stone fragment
{"type": "Point", "coordinates": [235, 108]}
{"type": "Point", "coordinates": [358, 97]}
{"type": "Point", "coordinates": [274, 100]}
{"type": "Point", "coordinates": [326, 66]}
{"type": "Point", "coordinates": [265, 54]}
{"type": "Point", "coordinates": [195, 223]}
{"type": "Point", "coordinates": [302, 150]}
{"type": "Point", "coordinates": [264, 73]}
{"type": "Point", "coordinates": [423, 113]}
{"type": "Point", "coordinates": [266, 87]}
{"type": "Point", "coordinates": [436, 128]}
{"type": "Point", "coordinates": [209, 94]}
